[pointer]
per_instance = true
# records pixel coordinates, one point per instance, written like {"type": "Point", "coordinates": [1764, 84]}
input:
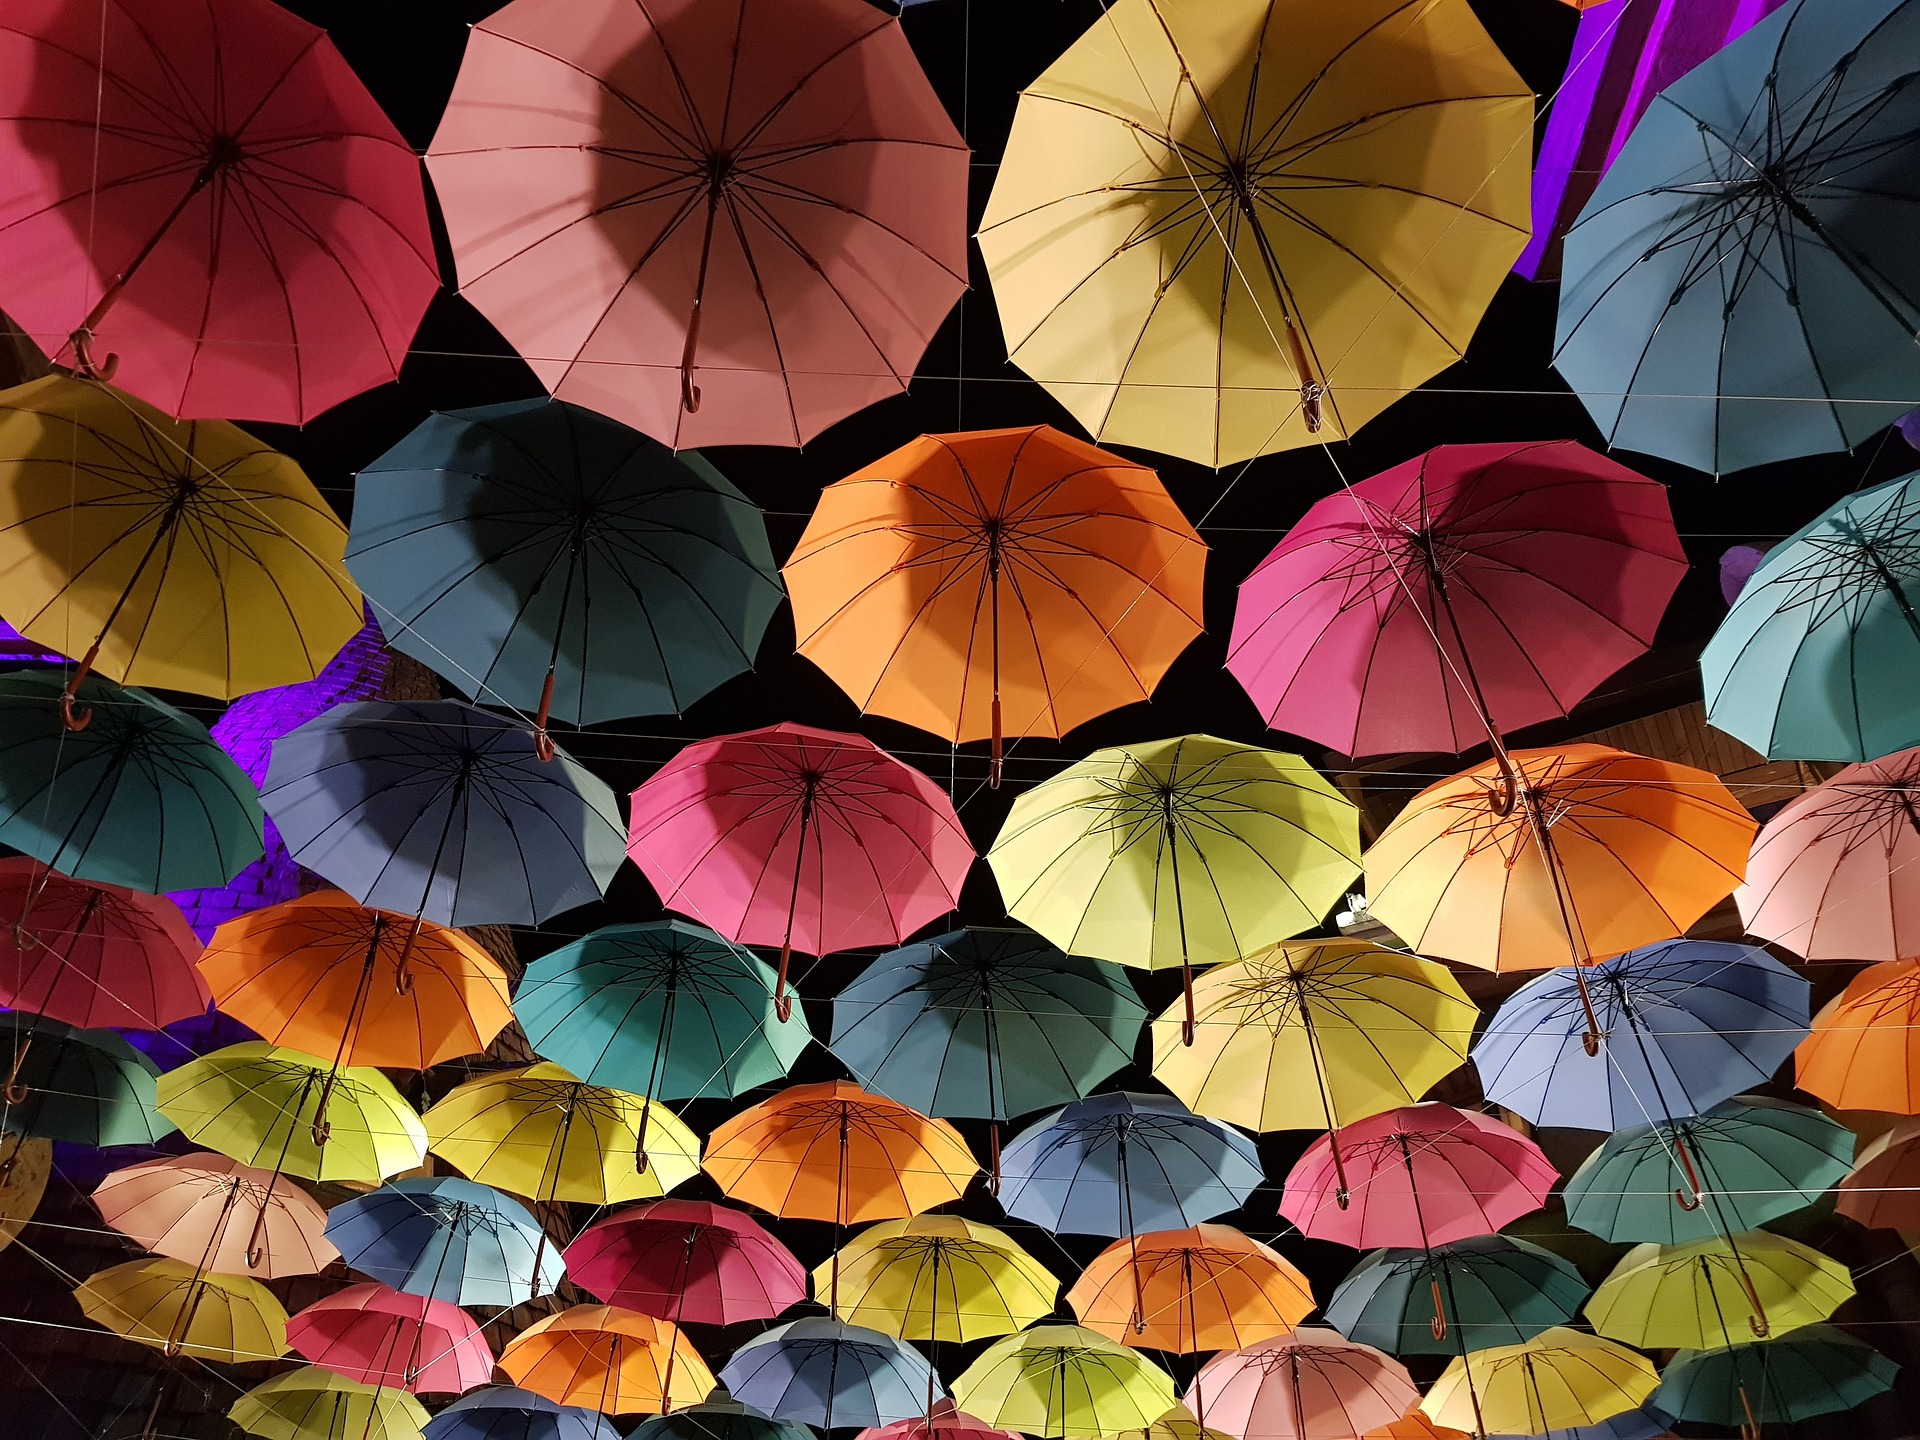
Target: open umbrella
{"type": "Point", "coordinates": [310, 1402]}
{"type": "Point", "coordinates": [938, 1277]}
{"type": "Point", "coordinates": [943, 1423]}
{"type": "Point", "coordinates": [87, 1087]}
{"type": "Point", "coordinates": [180, 1309]}
{"type": "Point", "coordinates": [1883, 1189]}
{"type": "Point", "coordinates": [1817, 1370]}
{"type": "Point", "coordinates": [1560, 1380]}
{"type": "Point", "coordinates": [824, 1372]}
{"type": "Point", "coordinates": [1207, 1287]}
{"type": "Point", "coordinates": [1303, 1385]}
{"type": "Point", "coordinates": [1063, 1382]}
{"type": "Point", "coordinates": [1177, 1424]}
{"type": "Point", "coordinates": [718, 1417]}
{"type": "Point", "coordinates": [683, 1260]}
{"type": "Point", "coordinates": [1860, 1053]}
{"type": "Point", "coordinates": [445, 1238]}
{"type": "Point", "coordinates": [1467, 1295]}
{"type": "Point", "coordinates": [603, 1358]}
{"type": "Point", "coordinates": [1714, 1292]}
{"type": "Point", "coordinates": [719, 225]}
{"type": "Point", "coordinates": [1000, 582]}
{"type": "Point", "coordinates": [219, 1215]}
{"type": "Point", "coordinates": [506, 1412]}
{"type": "Point", "coordinates": [25, 1167]}
{"type": "Point", "coordinates": [379, 1336]}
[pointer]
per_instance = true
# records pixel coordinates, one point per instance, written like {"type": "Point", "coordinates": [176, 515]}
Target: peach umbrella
{"type": "Point", "coordinates": [600, 1357]}
{"type": "Point", "coordinates": [1205, 1288]}
{"type": "Point", "coordinates": [1306, 1385]}
{"type": "Point", "coordinates": [1883, 1191]}
{"type": "Point", "coordinates": [1862, 1054]}
{"type": "Point", "coordinates": [219, 1215]}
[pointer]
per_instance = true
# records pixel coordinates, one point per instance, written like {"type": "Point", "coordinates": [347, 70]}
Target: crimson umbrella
{"type": "Point", "coordinates": [204, 202]}
{"type": "Point", "coordinates": [684, 1260]}
{"type": "Point", "coordinates": [379, 1336]}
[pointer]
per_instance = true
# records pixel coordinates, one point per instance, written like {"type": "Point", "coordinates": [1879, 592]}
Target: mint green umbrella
{"type": "Point", "coordinates": [85, 1086]}
{"type": "Point", "coordinates": [1815, 1370]}
{"type": "Point", "coordinates": [1469, 1295]}
{"type": "Point", "coordinates": [1744, 1162]}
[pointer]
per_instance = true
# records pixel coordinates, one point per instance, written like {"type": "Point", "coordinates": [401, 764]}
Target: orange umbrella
{"type": "Point", "coordinates": [218, 1215]}
{"type": "Point", "coordinates": [600, 1357]}
{"type": "Point", "coordinates": [999, 582]}
{"type": "Point", "coordinates": [1205, 1288]}
{"type": "Point", "coordinates": [1414, 1425]}
{"type": "Point", "coordinates": [1862, 1053]}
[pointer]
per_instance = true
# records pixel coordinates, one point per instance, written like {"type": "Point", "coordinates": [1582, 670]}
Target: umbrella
{"type": "Point", "coordinates": [603, 1358]}
{"type": "Point", "coordinates": [718, 1417]}
{"type": "Point", "coordinates": [439, 810]}
{"type": "Point", "coordinates": [379, 1336]}
{"type": "Point", "coordinates": [1745, 251]}
{"type": "Point", "coordinates": [1807, 663]}
{"type": "Point", "coordinates": [259, 1104]}
{"type": "Point", "coordinates": [684, 1260]}
{"type": "Point", "coordinates": [944, 1422]}
{"type": "Point", "coordinates": [1883, 1189]}
{"type": "Point", "coordinates": [89, 954]}
{"type": "Point", "coordinates": [1063, 1382]}
{"type": "Point", "coordinates": [1126, 1163]}
{"type": "Point", "coordinates": [327, 976]}
{"type": "Point", "coordinates": [182, 1310]}
{"type": "Point", "coordinates": [219, 1215]}
{"type": "Point", "coordinates": [1204, 1288]}
{"type": "Point", "coordinates": [1817, 1370]}
{"type": "Point", "coordinates": [1682, 1026]}
{"type": "Point", "coordinates": [1422, 1175]}
{"type": "Point", "coordinates": [446, 1238]}
{"type": "Point", "coordinates": [666, 1010]}
{"type": "Point", "coordinates": [1822, 877]}
{"type": "Point", "coordinates": [1859, 1054]}
{"type": "Point", "coordinates": [720, 227]}
{"type": "Point", "coordinates": [24, 1172]}
{"type": "Point", "coordinates": [824, 1372]}
{"type": "Point", "coordinates": [547, 558]}
{"type": "Point", "coordinates": [182, 556]}
{"type": "Point", "coordinates": [1472, 591]}
{"type": "Point", "coordinates": [1743, 1163]}
{"type": "Point", "coordinates": [310, 1402]}
{"type": "Point", "coordinates": [1305, 1385]}
{"type": "Point", "coordinates": [505, 1412]}
{"type": "Point", "coordinates": [1000, 582]}
{"type": "Point", "coordinates": [1665, 1297]}
{"type": "Point", "coordinates": [1177, 1424]}
{"type": "Point", "coordinates": [1559, 1380]}
{"type": "Point", "coordinates": [1467, 1295]}
{"type": "Point", "coordinates": [88, 1087]}
{"type": "Point", "coordinates": [802, 838]}
{"type": "Point", "coordinates": [1414, 1425]}
{"type": "Point", "coordinates": [938, 1277]}
{"type": "Point", "coordinates": [1314, 1034]}
{"type": "Point", "coordinates": [1195, 257]}
{"type": "Point", "coordinates": [1178, 852]}
{"type": "Point", "coordinates": [142, 797]}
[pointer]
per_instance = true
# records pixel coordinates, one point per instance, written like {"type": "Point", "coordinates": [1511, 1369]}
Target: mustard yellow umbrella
{"type": "Point", "coordinates": [1717, 1292]}
{"type": "Point", "coordinates": [938, 1277]}
{"type": "Point", "coordinates": [1314, 1035]}
{"type": "Point", "coordinates": [1177, 1424]}
{"type": "Point", "coordinates": [1063, 1382]}
{"type": "Point", "coordinates": [1227, 227]}
{"type": "Point", "coordinates": [315, 1404]}
{"type": "Point", "coordinates": [1561, 1379]}
{"type": "Point", "coordinates": [182, 1310]}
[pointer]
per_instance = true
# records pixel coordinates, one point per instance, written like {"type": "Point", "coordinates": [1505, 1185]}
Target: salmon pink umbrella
{"type": "Point", "coordinates": [218, 1215]}
{"type": "Point", "coordinates": [684, 1260]}
{"type": "Point", "coordinates": [382, 1337]}
{"type": "Point", "coordinates": [943, 1422]}
{"type": "Point", "coordinates": [1308, 1384]}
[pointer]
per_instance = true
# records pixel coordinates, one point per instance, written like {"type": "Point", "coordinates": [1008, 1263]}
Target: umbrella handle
{"type": "Point", "coordinates": [321, 1130]}
{"type": "Point", "coordinates": [84, 365]}
{"type": "Point", "coordinates": [1186, 988]}
{"type": "Point", "coordinates": [542, 741]}
{"type": "Point", "coordinates": [1682, 1198]}
{"type": "Point", "coordinates": [402, 976]}
{"type": "Point", "coordinates": [78, 717]}
{"type": "Point", "coordinates": [1750, 1427]}
{"type": "Point", "coordinates": [1757, 1320]}
{"type": "Point", "coordinates": [14, 1091]}
{"type": "Point", "coordinates": [782, 1001]}
{"type": "Point", "coordinates": [1438, 1324]}
{"type": "Point", "coordinates": [993, 1171]}
{"type": "Point", "coordinates": [993, 770]}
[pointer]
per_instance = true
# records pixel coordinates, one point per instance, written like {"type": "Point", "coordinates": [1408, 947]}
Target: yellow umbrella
{"type": "Point", "coordinates": [1718, 1292]}
{"type": "Point", "coordinates": [175, 1307]}
{"type": "Point", "coordinates": [25, 1166]}
{"type": "Point", "coordinates": [938, 1277]}
{"type": "Point", "coordinates": [183, 555]}
{"type": "Point", "coordinates": [1227, 227]}
{"type": "Point", "coordinates": [1559, 1380]}
{"type": "Point", "coordinates": [1177, 1424]}
{"type": "Point", "coordinates": [1063, 1382]}
{"type": "Point", "coordinates": [315, 1404]}
{"type": "Point", "coordinates": [1314, 1035]}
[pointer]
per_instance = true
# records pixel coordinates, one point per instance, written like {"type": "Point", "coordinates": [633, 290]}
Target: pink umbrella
{"type": "Point", "coordinates": [683, 1260]}
{"type": "Point", "coordinates": [1835, 875]}
{"type": "Point", "coordinates": [383, 1337]}
{"type": "Point", "coordinates": [218, 1215]}
{"type": "Point", "coordinates": [1883, 1192]}
{"type": "Point", "coordinates": [806, 839]}
{"type": "Point", "coordinates": [1310, 1384]}
{"type": "Point", "coordinates": [1474, 585]}
{"type": "Point", "coordinates": [943, 1422]}
{"type": "Point", "coordinates": [1421, 1175]}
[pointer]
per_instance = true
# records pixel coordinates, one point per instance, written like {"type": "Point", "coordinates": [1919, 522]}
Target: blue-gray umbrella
{"type": "Point", "coordinates": [827, 1373]}
{"type": "Point", "coordinates": [1642, 1424]}
{"type": "Point", "coordinates": [505, 1412]}
{"type": "Point", "coordinates": [445, 1238]}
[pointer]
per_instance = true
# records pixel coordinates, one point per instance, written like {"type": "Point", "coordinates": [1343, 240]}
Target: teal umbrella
{"type": "Point", "coordinates": [1817, 657]}
{"type": "Point", "coordinates": [141, 797]}
{"type": "Point", "coordinates": [1815, 1370]}
{"type": "Point", "coordinates": [1469, 1295]}
{"type": "Point", "coordinates": [721, 1417]}
{"type": "Point", "coordinates": [86, 1086]}
{"type": "Point", "coordinates": [667, 1010]}
{"type": "Point", "coordinates": [1745, 1162]}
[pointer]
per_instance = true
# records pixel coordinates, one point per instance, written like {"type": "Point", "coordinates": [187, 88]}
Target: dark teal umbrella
{"type": "Point", "coordinates": [1815, 1370]}
{"type": "Point", "coordinates": [1469, 1295]}
{"type": "Point", "coordinates": [720, 1418]}
{"type": "Point", "coordinates": [85, 1086]}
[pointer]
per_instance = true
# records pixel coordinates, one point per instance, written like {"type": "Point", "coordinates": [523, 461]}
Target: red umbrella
{"type": "Point", "coordinates": [722, 223]}
{"type": "Point", "coordinates": [1310, 1384]}
{"type": "Point", "coordinates": [383, 1337]}
{"type": "Point", "coordinates": [684, 1260]}
{"type": "Point", "coordinates": [1475, 586]}
{"type": "Point", "coordinates": [207, 191]}
{"type": "Point", "coordinates": [806, 839]}
{"type": "Point", "coordinates": [943, 1422]}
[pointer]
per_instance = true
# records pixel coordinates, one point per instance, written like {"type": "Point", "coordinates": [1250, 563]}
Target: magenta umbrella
{"type": "Point", "coordinates": [383, 1337]}
{"type": "Point", "coordinates": [1422, 1175]}
{"type": "Point", "coordinates": [684, 1260]}
{"type": "Point", "coordinates": [807, 839]}
{"type": "Point", "coordinates": [1473, 587]}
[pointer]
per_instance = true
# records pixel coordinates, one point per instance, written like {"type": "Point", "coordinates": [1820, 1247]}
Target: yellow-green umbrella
{"type": "Point", "coordinates": [939, 1277]}
{"type": "Point", "coordinates": [1063, 1382]}
{"type": "Point", "coordinates": [182, 1310]}
{"type": "Point", "coordinates": [1717, 1292]}
{"type": "Point", "coordinates": [1177, 1424]}
{"type": "Point", "coordinates": [315, 1404]}
{"type": "Point", "coordinates": [1561, 1379]}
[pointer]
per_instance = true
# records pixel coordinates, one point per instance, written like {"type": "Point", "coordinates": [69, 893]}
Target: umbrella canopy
{"type": "Point", "coordinates": [262, 1105]}
{"type": "Point", "coordinates": [440, 810]}
{"type": "Point", "coordinates": [1559, 1380]}
{"type": "Point", "coordinates": [1204, 1288]}
{"type": "Point", "coordinates": [944, 1423]}
{"type": "Point", "coordinates": [89, 954]}
{"type": "Point", "coordinates": [1806, 664]}
{"type": "Point", "coordinates": [1177, 1424]}
{"type": "Point", "coordinates": [87, 1087]}
{"type": "Point", "coordinates": [760, 216]}
{"type": "Point", "coordinates": [309, 1402]}
{"type": "Point", "coordinates": [24, 1172]}
{"type": "Point", "coordinates": [142, 797]}
{"type": "Point", "coordinates": [718, 1418]}
{"type": "Point", "coordinates": [937, 1277]}
{"type": "Point", "coordinates": [684, 1260]}
{"type": "Point", "coordinates": [1294, 1037]}
{"type": "Point", "coordinates": [180, 1309]}
{"type": "Point", "coordinates": [985, 1023]}
{"type": "Point", "coordinates": [666, 1009]}
{"type": "Point", "coordinates": [1474, 587]}
{"type": "Point", "coordinates": [382, 1337]}
{"type": "Point", "coordinates": [1423, 1175]}
{"type": "Point", "coordinates": [1585, 851]}
{"type": "Point", "coordinates": [506, 1412]}
{"type": "Point", "coordinates": [1883, 1189]}
{"type": "Point", "coordinates": [1063, 1382]}
{"type": "Point", "coordinates": [1001, 582]}
{"type": "Point", "coordinates": [546, 558]}
{"type": "Point", "coordinates": [603, 1358]}
{"type": "Point", "coordinates": [1743, 1163]}
{"type": "Point", "coordinates": [1860, 1054]}
{"type": "Point", "coordinates": [218, 1214]}
{"type": "Point", "coordinates": [1217, 260]}
{"type": "Point", "coordinates": [1468, 1295]}
{"type": "Point", "coordinates": [327, 976]}
{"type": "Point", "coordinates": [1817, 1370]}
{"type": "Point", "coordinates": [1301, 1386]}
{"type": "Point", "coordinates": [1681, 1026]}
{"type": "Point", "coordinates": [1712, 1293]}
{"type": "Point", "coordinates": [1743, 253]}
{"type": "Point", "coordinates": [824, 1372]}
{"type": "Point", "coordinates": [1126, 1163]}
{"type": "Point", "coordinates": [448, 1239]}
